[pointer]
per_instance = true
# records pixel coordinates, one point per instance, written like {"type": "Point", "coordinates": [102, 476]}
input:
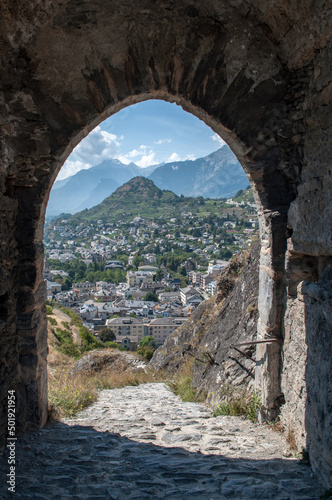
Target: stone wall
{"type": "Point", "coordinates": [258, 73]}
{"type": "Point", "coordinates": [318, 375]}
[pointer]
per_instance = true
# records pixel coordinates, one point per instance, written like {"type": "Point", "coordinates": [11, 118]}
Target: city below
{"type": "Point", "coordinates": [144, 275]}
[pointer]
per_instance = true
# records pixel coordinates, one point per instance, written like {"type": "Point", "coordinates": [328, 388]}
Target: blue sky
{"type": "Point", "coordinates": [147, 133]}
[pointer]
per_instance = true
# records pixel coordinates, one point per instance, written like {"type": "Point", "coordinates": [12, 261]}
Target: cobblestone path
{"type": "Point", "coordinates": [144, 443]}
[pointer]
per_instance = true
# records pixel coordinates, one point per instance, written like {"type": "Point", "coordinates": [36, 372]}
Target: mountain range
{"type": "Point", "coordinates": [218, 175]}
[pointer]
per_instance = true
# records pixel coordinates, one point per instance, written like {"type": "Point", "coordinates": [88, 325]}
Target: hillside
{"type": "Point", "coordinates": [89, 187]}
{"type": "Point", "coordinates": [218, 175]}
{"type": "Point", "coordinates": [228, 318]}
{"type": "Point", "coordinates": [139, 197]}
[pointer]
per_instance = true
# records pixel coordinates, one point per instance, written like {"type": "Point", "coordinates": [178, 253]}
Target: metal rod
{"type": "Point", "coordinates": [256, 342]}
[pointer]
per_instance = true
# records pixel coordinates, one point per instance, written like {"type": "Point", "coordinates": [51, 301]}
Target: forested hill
{"type": "Point", "coordinates": [139, 197]}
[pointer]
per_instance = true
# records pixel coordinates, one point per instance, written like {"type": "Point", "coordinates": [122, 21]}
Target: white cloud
{"type": "Point", "coordinates": [72, 167]}
{"type": "Point", "coordinates": [173, 157]}
{"type": "Point", "coordinates": [176, 157]}
{"type": "Point", "coordinates": [142, 157]}
{"type": "Point", "coordinates": [147, 159]}
{"type": "Point", "coordinates": [217, 138]}
{"type": "Point", "coordinates": [137, 152]}
{"type": "Point", "coordinates": [163, 141]}
{"type": "Point", "coordinates": [99, 145]}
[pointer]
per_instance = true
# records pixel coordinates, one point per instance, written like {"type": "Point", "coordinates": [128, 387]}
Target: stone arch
{"type": "Point", "coordinates": [250, 72]}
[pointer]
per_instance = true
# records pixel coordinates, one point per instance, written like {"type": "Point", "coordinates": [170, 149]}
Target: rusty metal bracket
{"type": "Point", "coordinates": [244, 354]}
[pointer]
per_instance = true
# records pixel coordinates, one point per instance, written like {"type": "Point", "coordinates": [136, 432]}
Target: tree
{"type": "Point", "coordinates": [136, 261]}
{"type": "Point", "coordinates": [150, 296]}
{"type": "Point", "coordinates": [182, 270]}
{"type": "Point", "coordinates": [107, 335]}
{"type": "Point", "coordinates": [157, 249]}
{"type": "Point", "coordinates": [146, 347]}
{"type": "Point", "coordinates": [159, 274]}
{"type": "Point", "coordinates": [67, 283]}
{"type": "Point", "coordinates": [147, 341]}
{"type": "Point", "coordinates": [197, 233]}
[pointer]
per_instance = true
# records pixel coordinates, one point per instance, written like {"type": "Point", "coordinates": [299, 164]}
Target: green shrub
{"type": "Point", "coordinates": [52, 321]}
{"type": "Point", "coordinates": [75, 318]}
{"type": "Point", "coordinates": [112, 345]}
{"type": "Point", "coordinates": [71, 349]}
{"type": "Point", "coordinates": [253, 407]}
{"type": "Point", "coordinates": [49, 310]}
{"type": "Point", "coordinates": [89, 342]}
{"type": "Point", "coordinates": [63, 335]}
{"type": "Point", "coordinates": [145, 352]}
{"type": "Point", "coordinates": [146, 347]}
{"type": "Point", "coordinates": [234, 408]}
{"type": "Point", "coordinates": [66, 343]}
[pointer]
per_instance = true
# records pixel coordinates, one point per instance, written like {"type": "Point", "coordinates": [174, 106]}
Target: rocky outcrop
{"type": "Point", "coordinates": [206, 338]}
{"type": "Point", "coordinates": [96, 361]}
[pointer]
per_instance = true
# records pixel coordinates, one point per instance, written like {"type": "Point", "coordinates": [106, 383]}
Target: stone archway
{"type": "Point", "coordinates": [257, 74]}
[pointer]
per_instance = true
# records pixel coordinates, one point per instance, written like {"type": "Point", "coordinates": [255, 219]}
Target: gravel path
{"type": "Point", "coordinates": [145, 443]}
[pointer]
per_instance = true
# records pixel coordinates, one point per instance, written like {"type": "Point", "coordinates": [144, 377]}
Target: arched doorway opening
{"type": "Point", "coordinates": [252, 73]}
{"type": "Point", "coordinates": [163, 129]}
{"type": "Point", "coordinates": [274, 227]}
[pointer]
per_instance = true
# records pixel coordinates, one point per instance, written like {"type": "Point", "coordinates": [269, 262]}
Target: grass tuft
{"type": "Point", "coordinates": [238, 402]}
{"type": "Point", "coordinates": [290, 438]}
{"type": "Point", "coordinates": [183, 386]}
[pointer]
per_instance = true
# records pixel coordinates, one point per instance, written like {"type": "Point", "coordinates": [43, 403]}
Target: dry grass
{"type": "Point", "coordinates": [290, 438]}
{"type": "Point", "coordinates": [276, 426]}
{"type": "Point", "coordinates": [67, 394]}
{"type": "Point", "coordinates": [56, 360]}
{"type": "Point", "coordinates": [182, 384]}
{"type": "Point", "coordinates": [70, 392]}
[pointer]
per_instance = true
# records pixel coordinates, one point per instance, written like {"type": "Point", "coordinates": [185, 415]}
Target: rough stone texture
{"type": "Point", "coordinates": [308, 411]}
{"type": "Point", "coordinates": [229, 318]}
{"type": "Point", "coordinates": [294, 363]}
{"type": "Point", "coordinates": [144, 443]}
{"type": "Point", "coordinates": [318, 414]}
{"type": "Point", "coordinates": [259, 73]}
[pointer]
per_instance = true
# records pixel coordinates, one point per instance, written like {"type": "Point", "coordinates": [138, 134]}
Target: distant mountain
{"type": "Point", "coordinates": [218, 175]}
{"type": "Point", "coordinates": [89, 187]}
{"type": "Point", "coordinates": [100, 192]}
